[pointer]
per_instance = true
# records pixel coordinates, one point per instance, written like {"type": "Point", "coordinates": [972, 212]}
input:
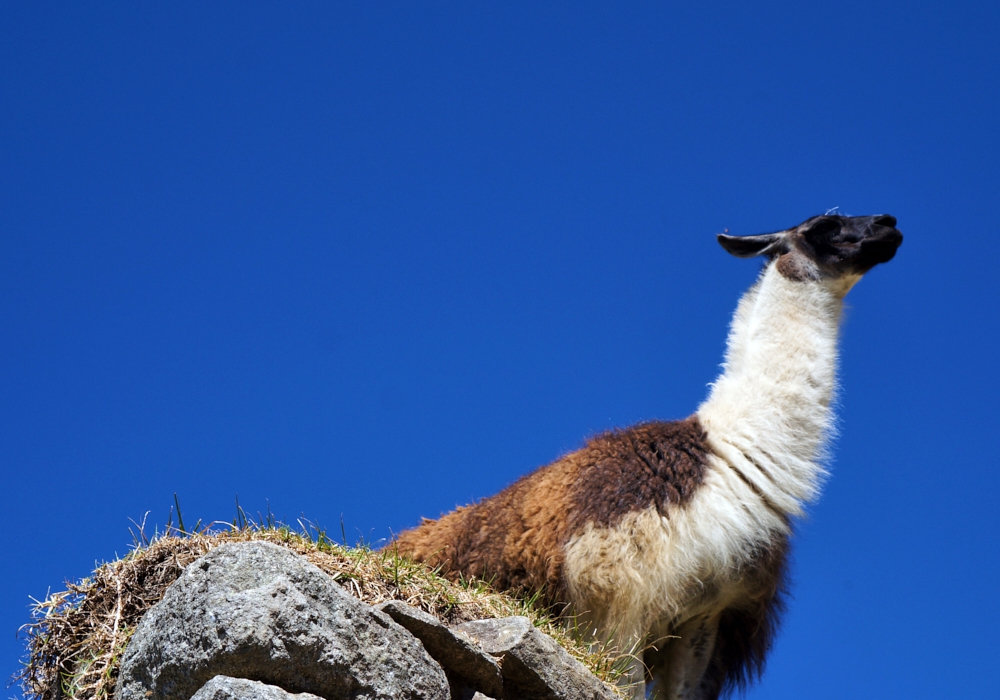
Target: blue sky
{"type": "Point", "coordinates": [373, 262]}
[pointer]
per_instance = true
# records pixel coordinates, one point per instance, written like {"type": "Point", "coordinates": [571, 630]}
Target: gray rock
{"type": "Point", "coordinates": [533, 664]}
{"type": "Point", "coordinates": [226, 688]}
{"type": "Point", "coordinates": [478, 670]}
{"type": "Point", "coordinates": [257, 610]}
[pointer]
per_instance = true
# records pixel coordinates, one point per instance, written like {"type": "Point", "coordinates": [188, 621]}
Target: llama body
{"type": "Point", "coordinates": [673, 536]}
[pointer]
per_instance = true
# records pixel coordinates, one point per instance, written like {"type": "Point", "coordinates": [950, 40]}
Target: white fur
{"type": "Point", "coordinates": [769, 414]}
{"type": "Point", "coordinates": [767, 418]}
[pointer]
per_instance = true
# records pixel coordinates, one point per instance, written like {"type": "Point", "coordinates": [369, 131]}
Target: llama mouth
{"type": "Point", "coordinates": [880, 247]}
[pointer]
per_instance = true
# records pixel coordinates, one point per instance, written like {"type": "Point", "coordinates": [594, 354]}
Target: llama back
{"type": "Point", "coordinates": [517, 539]}
{"type": "Point", "coordinates": [512, 539]}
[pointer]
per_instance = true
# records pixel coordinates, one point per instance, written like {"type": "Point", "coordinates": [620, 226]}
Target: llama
{"type": "Point", "coordinates": [671, 538]}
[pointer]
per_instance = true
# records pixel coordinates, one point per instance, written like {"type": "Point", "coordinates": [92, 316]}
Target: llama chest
{"type": "Point", "coordinates": [715, 550]}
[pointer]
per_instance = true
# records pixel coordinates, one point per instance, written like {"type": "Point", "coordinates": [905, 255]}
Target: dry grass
{"type": "Point", "coordinates": [77, 636]}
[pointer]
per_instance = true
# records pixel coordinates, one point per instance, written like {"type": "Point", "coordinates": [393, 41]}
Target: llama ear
{"type": "Point", "coordinates": [750, 246]}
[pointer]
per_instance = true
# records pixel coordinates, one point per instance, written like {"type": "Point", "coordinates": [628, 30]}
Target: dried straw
{"type": "Point", "coordinates": [77, 636]}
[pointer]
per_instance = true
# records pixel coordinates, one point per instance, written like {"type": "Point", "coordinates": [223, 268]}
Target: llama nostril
{"type": "Point", "coordinates": [885, 220]}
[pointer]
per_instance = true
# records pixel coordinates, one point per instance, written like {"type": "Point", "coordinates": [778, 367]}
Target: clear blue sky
{"type": "Point", "coordinates": [373, 262]}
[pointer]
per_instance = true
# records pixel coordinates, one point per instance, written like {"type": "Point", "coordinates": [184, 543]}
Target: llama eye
{"type": "Point", "coordinates": [823, 227]}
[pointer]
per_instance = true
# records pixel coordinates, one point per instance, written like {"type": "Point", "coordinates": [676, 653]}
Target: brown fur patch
{"type": "Point", "coordinates": [517, 537]}
{"type": "Point", "coordinates": [653, 463]}
{"type": "Point", "coordinates": [513, 539]}
{"type": "Point", "coordinates": [796, 267]}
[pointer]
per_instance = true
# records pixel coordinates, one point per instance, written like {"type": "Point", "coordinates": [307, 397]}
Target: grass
{"type": "Point", "coordinates": [77, 636]}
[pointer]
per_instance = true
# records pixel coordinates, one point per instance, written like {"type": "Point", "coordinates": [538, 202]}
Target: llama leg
{"type": "Point", "coordinates": [633, 681]}
{"type": "Point", "coordinates": [629, 645]}
{"type": "Point", "coordinates": [605, 629]}
{"type": "Point", "coordinates": [679, 664]}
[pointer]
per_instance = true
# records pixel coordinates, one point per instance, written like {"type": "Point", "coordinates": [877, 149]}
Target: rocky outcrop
{"type": "Point", "coordinates": [256, 610]}
{"type": "Point", "coordinates": [255, 621]}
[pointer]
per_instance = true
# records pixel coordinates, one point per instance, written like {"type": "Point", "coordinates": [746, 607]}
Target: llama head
{"type": "Point", "coordinates": [828, 248]}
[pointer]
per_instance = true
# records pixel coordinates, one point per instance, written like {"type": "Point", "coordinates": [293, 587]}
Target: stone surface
{"type": "Point", "coordinates": [479, 671]}
{"type": "Point", "coordinates": [257, 610]}
{"type": "Point", "coordinates": [533, 664]}
{"type": "Point", "coordinates": [226, 688]}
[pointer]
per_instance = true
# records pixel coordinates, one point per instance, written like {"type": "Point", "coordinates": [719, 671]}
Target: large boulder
{"type": "Point", "coordinates": [256, 610]}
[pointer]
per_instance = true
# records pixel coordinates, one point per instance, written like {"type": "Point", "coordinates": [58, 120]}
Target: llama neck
{"type": "Point", "coordinates": [769, 413]}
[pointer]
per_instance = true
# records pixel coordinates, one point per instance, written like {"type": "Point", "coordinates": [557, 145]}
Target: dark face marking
{"type": "Point", "coordinates": [847, 244]}
{"type": "Point", "coordinates": [824, 247]}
